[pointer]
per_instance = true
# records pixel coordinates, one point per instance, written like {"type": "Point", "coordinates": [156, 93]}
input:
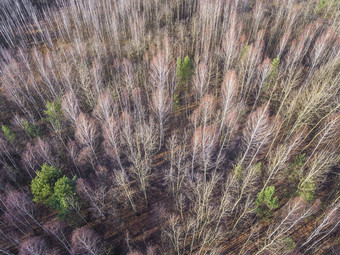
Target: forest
{"type": "Point", "coordinates": [151, 127]}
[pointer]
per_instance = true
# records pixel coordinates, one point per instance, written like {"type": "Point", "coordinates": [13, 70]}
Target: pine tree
{"type": "Point", "coordinates": [64, 189]}
{"type": "Point", "coordinates": [42, 185]}
{"type": "Point", "coordinates": [184, 70]}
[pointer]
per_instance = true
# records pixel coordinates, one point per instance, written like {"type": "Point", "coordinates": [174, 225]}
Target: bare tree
{"type": "Point", "coordinates": [206, 109]}
{"type": "Point", "coordinates": [84, 157]}
{"type": "Point", "coordinates": [201, 80]}
{"type": "Point", "coordinates": [17, 89]}
{"type": "Point", "coordinates": [137, 24]}
{"type": "Point", "coordinates": [21, 209]}
{"type": "Point", "coordinates": [33, 246]}
{"type": "Point", "coordinates": [140, 151]}
{"type": "Point", "coordinates": [13, 214]}
{"type": "Point", "coordinates": [70, 106]}
{"type": "Point", "coordinates": [159, 70]}
{"type": "Point", "coordinates": [161, 103]}
{"type": "Point", "coordinates": [263, 74]}
{"type": "Point", "coordinates": [283, 42]}
{"type": "Point", "coordinates": [6, 153]}
{"type": "Point", "coordinates": [139, 144]}
{"type": "Point", "coordinates": [299, 48]}
{"type": "Point", "coordinates": [134, 253]}
{"type": "Point", "coordinates": [5, 252]}
{"type": "Point", "coordinates": [138, 100]}
{"type": "Point", "coordinates": [86, 83]}
{"type": "Point", "coordinates": [257, 134]}
{"type": "Point", "coordinates": [112, 139]}
{"type": "Point", "coordinates": [104, 107]}
{"type": "Point", "coordinates": [231, 41]}
{"type": "Point", "coordinates": [174, 235]}
{"type": "Point", "coordinates": [179, 165]}
{"type": "Point", "coordinates": [258, 17]}
{"type": "Point", "coordinates": [73, 151]}
{"type": "Point", "coordinates": [328, 135]}
{"type": "Point", "coordinates": [205, 140]}
{"type": "Point", "coordinates": [248, 183]}
{"type": "Point", "coordinates": [228, 96]}
{"type": "Point", "coordinates": [34, 156]}
{"type": "Point", "coordinates": [200, 142]}
{"type": "Point", "coordinates": [294, 213]}
{"type": "Point", "coordinates": [195, 146]}
{"type": "Point", "coordinates": [328, 224]}
{"type": "Point", "coordinates": [320, 47]}
{"type": "Point", "coordinates": [226, 201]}
{"type": "Point", "coordinates": [58, 229]}
{"type": "Point", "coordinates": [43, 151]}
{"type": "Point", "coordinates": [121, 179]}
{"type": "Point", "coordinates": [97, 78]}
{"type": "Point", "coordinates": [316, 169]}
{"type": "Point", "coordinates": [152, 250]}
{"type": "Point", "coordinates": [128, 70]}
{"type": "Point", "coordinates": [87, 132]}
{"type": "Point", "coordinates": [247, 70]}
{"type": "Point", "coordinates": [85, 241]}
{"type": "Point", "coordinates": [115, 61]}
{"type": "Point", "coordinates": [96, 196]}
{"type": "Point", "coordinates": [201, 228]}
{"type": "Point", "coordinates": [30, 161]}
{"type": "Point", "coordinates": [161, 106]}
{"type": "Point", "coordinates": [278, 158]}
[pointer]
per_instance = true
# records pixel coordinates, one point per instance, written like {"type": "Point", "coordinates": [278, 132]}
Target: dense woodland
{"type": "Point", "coordinates": [169, 127]}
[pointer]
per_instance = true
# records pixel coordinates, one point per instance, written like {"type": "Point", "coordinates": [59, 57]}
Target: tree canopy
{"type": "Point", "coordinates": [42, 185]}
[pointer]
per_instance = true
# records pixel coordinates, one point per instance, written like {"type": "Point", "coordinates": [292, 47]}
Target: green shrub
{"type": "Point", "coordinates": [295, 174]}
{"type": "Point", "coordinates": [266, 202]}
{"type": "Point", "coordinates": [258, 167]}
{"type": "Point", "coordinates": [274, 66]}
{"type": "Point", "coordinates": [299, 161]}
{"type": "Point", "coordinates": [322, 4]}
{"type": "Point", "coordinates": [9, 134]}
{"type": "Point", "coordinates": [176, 101]}
{"type": "Point", "coordinates": [307, 189]}
{"type": "Point", "coordinates": [238, 171]}
{"type": "Point", "coordinates": [54, 113]}
{"type": "Point", "coordinates": [289, 243]}
{"type": "Point", "coordinates": [32, 130]}
{"type": "Point", "coordinates": [244, 50]}
{"type": "Point", "coordinates": [327, 7]}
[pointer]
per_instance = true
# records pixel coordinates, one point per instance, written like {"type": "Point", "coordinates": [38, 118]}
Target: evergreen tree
{"type": "Point", "coordinates": [42, 185]}
{"type": "Point", "coordinates": [64, 189]}
{"type": "Point", "coordinates": [184, 70]}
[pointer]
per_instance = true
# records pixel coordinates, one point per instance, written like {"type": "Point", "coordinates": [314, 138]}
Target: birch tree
{"type": "Point", "coordinates": [87, 132]}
